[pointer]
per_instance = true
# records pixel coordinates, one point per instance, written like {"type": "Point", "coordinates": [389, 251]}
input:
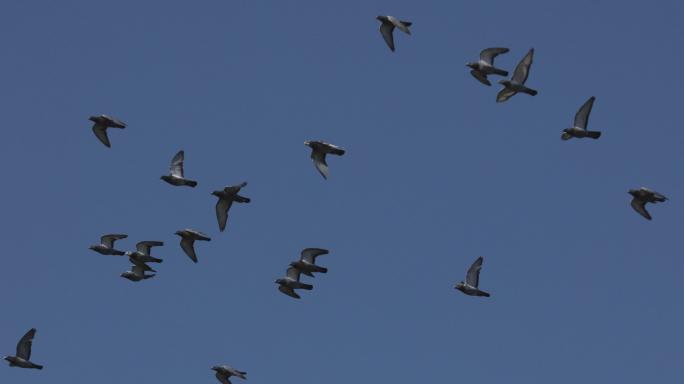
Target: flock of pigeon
{"type": "Point", "coordinates": [306, 264]}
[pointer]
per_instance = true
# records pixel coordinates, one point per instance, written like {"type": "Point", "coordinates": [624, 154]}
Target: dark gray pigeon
{"type": "Point", "coordinates": [175, 176]}
{"type": "Point", "coordinates": [579, 127]}
{"type": "Point", "coordinates": [23, 357]}
{"type": "Point", "coordinates": [224, 372]}
{"type": "Point", "coordinates": [485, 66]}
{"type": "Point", "coordinates": [188, 237]}
{"type": "Point", "coordinates": [106, 246]}
{"type": "Point", "coordinates": [517, 82]}
{"type": "Point", "coordinates": [470, 286]}
{"type": "Point", "coordinates": [387, 28]}
{"type": "Point", "coordinates": [226, 197]}
{"type": "Point", "coordinates": [102, 122]}
{"type": "Point", "coordinates": [137, 272]}
{"type": "Point", "coordinates": [143, 252]}
{"type": "Point", "coordinates": [319, 149]}
{"type": "Point", "coordinates": [642, 196]}
{"type": "Point", "coordinates": [290, 282]}
{"type": "Point", "coordinates": [307, 261]}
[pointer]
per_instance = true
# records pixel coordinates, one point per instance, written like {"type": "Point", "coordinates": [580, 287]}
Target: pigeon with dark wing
{"type": "Point", "coordinates": [224, 372]}
{"type": "Point", "coordinates": [319, 149]}
{"type": "Point", "coordinates": [307, 261]}
{"type": "Point", "coordinates": [23, 356]}
{"type": "Point", "coordinates": [175, 176]}
{"type": "Point", "coordinates": [517, 82]}
{"type": "Point", "coordinates": [290, 282]}
{"type": "Point", "coordinates": [137, 272]}
{"type": "Point", "coordinates": [188, 238]}
{"type": "Point", "coordinates": [226, 197]}
{"type": "Point", "coordinates": [485, 66]}
{"type": "Point", "coordinates": [387, 28]}
{"type": "Point", "coordinates": [642, 196]}
{"type": "Point", "coordinates": [470, 286]}
{"type": "Point", "coordinates": [106, 246]}
{"type": "Point", "coordinates": [579, 127]}
{"type": "Point", "coordinates": [143, 252]}
{"type": "Point", "coordinates": [102, 122]}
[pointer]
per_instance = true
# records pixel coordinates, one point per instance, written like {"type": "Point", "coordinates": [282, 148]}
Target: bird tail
{"type": "Point", "coordinates": [530, 91]}
{"type": "Point", "coordinates": [322, 270]}
{"type": "Point", "coordinates": [407, 23]}
{"type": "Point", "coordinates": [155, 260]}
{"type": "Point", "coordinates": [594, 134]}
{"type": "Point", "coordinates": [149, 276]}
{"type": "Point", "coordinates": [499, 72]}
{"type": "Point", "coordinates": [483, 293]}
{"type": "Point", "coordinates": [37, 366]}
{"type": "Point", "coordinates": [191, 183]}
{"type": "Point", "coordinates": [308, 287]}
{"type": "Point", "coordinates": [118, 253]}
{"type": "Point", "coordinates": [242, 199]}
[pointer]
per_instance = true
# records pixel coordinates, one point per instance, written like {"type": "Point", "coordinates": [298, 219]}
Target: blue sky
{"type": "Point", "coordinates": [436, 173]}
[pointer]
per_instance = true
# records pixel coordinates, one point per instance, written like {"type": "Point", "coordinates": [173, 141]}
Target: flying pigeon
{"type": "Point", "coordinates": [102, 122]}
{"type": "Point", "coordinates": [188, 237]}
{"type": "Point", "coordinates": [641, 197]}
{"type": "Point", "coordinates": [106, 246]}
{"type": "Point", "coordinates": [485, 66]}
{"type": "Point", "coordinates": [223, 372]}
{"type": "Point", "coordinates": [23, 357]}
{"type": "Point", "coordinates": [307, 262]}
{"type": "Point", "coordinates": [318, 151]}
{"type": "Point", "coordinates": [517, 82]}
{"type": "Point", "coordinates": [175, 176]}
{"type": "Point", "coordinates": [137, 273]}
{"type": "Point", "coordinates": [579, 127]}
{"type": "Point", "coordinates": [143, 252]}
{"type": "Point", "coordinates": [290, 282]}
{"type": "Point", "coordinates": [469, 287]}
{"type": "Point", "coordinates": [226, 197]}
{"type": "Point", "coordinates": [387, 28]}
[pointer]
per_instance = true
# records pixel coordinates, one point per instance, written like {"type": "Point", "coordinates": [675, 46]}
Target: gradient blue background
{"type": "Point", "coordinates": [436, 173]}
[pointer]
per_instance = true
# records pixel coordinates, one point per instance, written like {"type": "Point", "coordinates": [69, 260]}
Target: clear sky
{"type": "Point", "coordinates": [436, 173]}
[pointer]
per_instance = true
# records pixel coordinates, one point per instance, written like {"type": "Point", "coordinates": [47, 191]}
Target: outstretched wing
{"type": "Point", "coordinates": [386, 30]}
{"type": "Point", "coordinates": [24, 345]}
{"type": "Point", "coordinates": [481, 77]}
{"type": "Point", "coordinates": [288, 291]}
{"type": "Point", "coordinates": [582, 115]}
{"type": "Point", "coordinates": [222, 207]}
{"type": "Point", "coordinates": [523, 68]}
{"type": "Point", "coordinates": [488, 55]}
{"type": "Point", "coordinates": [176, 168]}
{"type": "Point", "coordinates": [101, 133]}
{"type": "Point", "coordinates": [108, 240]}
{"type": "Point", "coordinates": [188, 248]}
{"type": "Point", "coordinates": [640, 207]}
{"type": "Point", "coordinates": [473, 275]}
{"type": "Point", "coordinates": [310, 254]}
{"type": "Point", "coordinates": [318, 158]}
{"type": "Point", "coordinates": [504, 95]}
{"type": "Point", "coordinates": [293, 273]}
{"type": "Point", "coordinates": [145, 247]}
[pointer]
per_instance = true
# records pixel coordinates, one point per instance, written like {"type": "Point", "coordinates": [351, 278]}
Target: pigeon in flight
{"type": "Point", "coordinates": [318, 151]}
{"type": "Point", "coordinates": [143, 252]}
{"type": "Point", "coordinates": [642, 196]}
{"type": "Point", "coordinates": [137, 273]}
{"type": "Point", "coordinates": [290, 282]}
{"type": "Point", "coordinates": [226, 197]}
{"type": "Point", "coordinates": [188, 237]}
{"type": "Point", "coordinates": [102, 122]}
{"type": "Point", "coordinates": [485, 66]}
{"type": "Point", "coordinates": [223, 372]}
{"type": "Point", "coordinates": [106, 246]}
{"type": "Point", "coordinates": [517, 82]}
{"type": "Point", "coordinates": [579, 127]}
{"type": "Point", "coordinates": [23, 357]}
{"type": "Point", "coordinates": [470, 286]}
{"type": "Point", "coordinates": [387, 28]}
{"type": "Point", "coordinates": [307, 261]}
{"type": "Point", "coordinates": [175, 176]}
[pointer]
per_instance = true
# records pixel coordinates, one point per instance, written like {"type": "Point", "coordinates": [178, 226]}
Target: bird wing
{"type": "Point", "coordinates": [386, 30]}
{"type": "Point", "coordinates": [24, 345]}
{"type": "Point", "coordinates": [310, 254]}
{"type": "Point", "coordinates": [101, 133]}
{"type": "Point", "coordinates": [141, 264]}
{"type": "Point", "coordinates": [334, 149]}
{"type": "Point", "coordinates": [582, 115]}
{"type": "Point", "coordinates": [288, 291]}
{"type": "Point", "coordinates": [199, 235]}
{"type": "Point", "coordinates": [473, 275]}
{"type": "Point", "coordinates": [234, 189]}
{"type": "Point", "coordinates": [176, 168]}
{"type": "Point", "coordinates": [187, 245]}
{"type": "Point", "coordinates": [222, 207]}
{"type": "Point", "coordinates": [138, 270]}
{"type": "Point", "coordinates": [481, 77]}
{"type": "Point", "coordinates": [505, 94]}
{"type": "Point", "coordinates": [640, 207]}
{"type": "Point", "coordinates": [488, 55]}
{"type": "Point", "coordinates": [293, 273]}
{"type": "Point", "coordinates": [108, 240]}
{"type": "Point", "coordinates": [145, 247]}
{"type": "Point", "coordinates": [318, 158]}
{"type": "Point", "coordinates": [522, 70]}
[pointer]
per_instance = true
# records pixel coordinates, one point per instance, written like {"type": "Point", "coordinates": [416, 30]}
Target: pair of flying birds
{"type": "Point", "coordinates": [305, 265]}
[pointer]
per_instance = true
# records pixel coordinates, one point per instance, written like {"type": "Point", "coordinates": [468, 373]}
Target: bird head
{"type": "Point", "coordinates": [633, 192]}
{"type": "Point", "coordinates": [307, 143]}
{"type": "Point", "coordinates": [459, 286]}
{"type": "Point", "coordinates": [216, 368]}
{"type": "Point", "coordinates": [472, 65]}
{"type": "Point", "coordinates": [6, 358]}
{"type": "Point", "coordinates": [381, 18]}
{"type": "Point", "coordinates": [280, 281]}
{"type": "Point", "coordinates": [179, 233]}
{"type": "Point", "coordinates": [93, 247]}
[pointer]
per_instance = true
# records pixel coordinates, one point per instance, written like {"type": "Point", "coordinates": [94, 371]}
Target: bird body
{"type": "Point", "coordinates": [642, 196]}
{"type": "Point", "coordinates": [102, 122]}
{"type": "Point", "coordinates": [137, 273]}
{"type": "Point", "coordinates": [106, 246]}
{"type": "Point", "coordinates": [387, 28]}
{"type": "Point", "coordinates": [307, 261]}
{"type": "Point", "coordinates": [188, 238]}
{"type": "Point", "coordinates": [22, 359]}
{"type": "Point", "coordinates": [471, 285]}
{"type": "Point", "coordinates": [224, 372]}
{"type": "Point", "coordinates": [485, 66]}
{"type": "Point", "coordinates": [226, 197]}
{"type": "Point", "coordinates": [290, 282]}
{"type": "Point", "coordinates": [579, 128]}
{"type": "Point", "coordinates": [517, 82]}
{"type": "Point", "coordinates": [319, 149]}
{"type": "Point", "coordinates": [143, 252]}
{"type": "Point", "coordinates": [176, 175]}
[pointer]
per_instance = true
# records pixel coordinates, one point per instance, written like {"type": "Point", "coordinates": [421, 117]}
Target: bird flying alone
{"type": "Point", "coordinates": [175, 176]}
{"type": "Point", "coordinates": [387, 28]}
{"type": "Point", "coordinates": [579, 126]}
{"type": "Point", "coordinates": [307, 261]}
{"type": "Point", "coordinates": [319, 149]}
{"type": "Point", "coordinates": [188, 238]}
{"type": "Point", "coordinates": [102, 122]}
{"type": "Point", "coordinates": [106, 246]}
{"type": "Point", "coordinates": [290, 282]}
{"type": "Point", "coordinates": [485, 66]}
{"type": "Point", "coordinates": [517, 83]}
{"type": "Point", "coordinates": [224, 372]}
{"type": "Point", "coordinates": [470, 286]}
{"type": "Point", "coordinates": [226, 197]}
{"type": "Point", "coordinates": [23, 357]}
{"type": "Point", "coordinates": [642, 196]}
